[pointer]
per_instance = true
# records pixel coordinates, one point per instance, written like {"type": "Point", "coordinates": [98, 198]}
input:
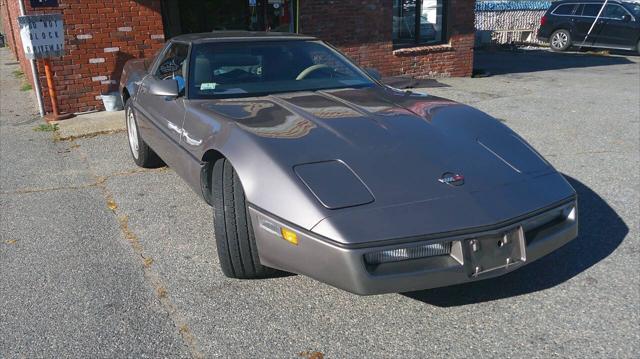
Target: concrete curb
{"type": "Point", "coordinates": [90, 124]}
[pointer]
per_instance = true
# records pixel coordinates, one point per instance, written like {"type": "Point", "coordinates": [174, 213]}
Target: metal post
{"type": "Point", "coordinates": [34, 72]}
{"type": "Point", "coordinates": [594, 23]}
{"type": "Point", "coordinates": [52, 89]}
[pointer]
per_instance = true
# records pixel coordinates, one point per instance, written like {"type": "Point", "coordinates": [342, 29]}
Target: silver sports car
{"type": "Point", "coordinates": [313, 166]}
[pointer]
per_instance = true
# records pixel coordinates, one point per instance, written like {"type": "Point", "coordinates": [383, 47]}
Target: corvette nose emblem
{"type": "Point", "coordinates": [452, 179]}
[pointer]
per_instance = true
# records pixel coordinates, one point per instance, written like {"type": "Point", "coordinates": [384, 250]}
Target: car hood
{"type": "Point", "coordinates": [398, 145]}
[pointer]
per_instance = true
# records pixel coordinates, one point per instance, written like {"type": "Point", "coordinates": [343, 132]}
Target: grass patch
{"type": "Point", "coordinates": [20, 75]}
{"type": "Point", "coordinates": [111, 204]}
{"type": "Point", "coordinates": [46, 128]}
{"type": "Point", "coordinates": [311, 355]}
{"type": "Point", "coordinates": [599, 53]}
{"type": "Point", "coordinates": [161, 292]}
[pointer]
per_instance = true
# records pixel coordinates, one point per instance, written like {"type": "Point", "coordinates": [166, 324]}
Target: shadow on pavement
{"type": "Point", "coordinates": [508, 62]}
{"type": "Point", "coordinates": [601, 231]}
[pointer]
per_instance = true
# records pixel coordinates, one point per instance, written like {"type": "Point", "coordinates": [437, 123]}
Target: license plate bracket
{"type": "Point", "coordinates": [497, 252]}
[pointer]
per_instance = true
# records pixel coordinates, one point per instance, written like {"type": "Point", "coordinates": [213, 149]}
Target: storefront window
{"type": "Point", "coordinates": [418, 22]}
{"type": "Point", "coordinates": [192, 16]}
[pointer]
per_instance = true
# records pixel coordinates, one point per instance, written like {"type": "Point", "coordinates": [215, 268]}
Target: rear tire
{"type": "Point", "coordinates": [560, 40]}
{"type": "Point", "coordinates": [638, 47]}
{"type": "Point", "coordinates": [142, 154]}
{"type": "Point", "coordinates": [234, 234]}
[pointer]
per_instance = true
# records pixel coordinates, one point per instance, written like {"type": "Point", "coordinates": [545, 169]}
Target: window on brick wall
{"type": "Point", "coordinates": [418, 22]}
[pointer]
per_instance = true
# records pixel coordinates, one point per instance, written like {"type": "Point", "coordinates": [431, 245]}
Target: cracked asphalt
{"type": "Point", "coordinates": [99, 258]}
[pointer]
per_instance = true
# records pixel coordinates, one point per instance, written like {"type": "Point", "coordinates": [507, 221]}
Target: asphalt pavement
{"type": "Point", "coordinates": [99, 258]}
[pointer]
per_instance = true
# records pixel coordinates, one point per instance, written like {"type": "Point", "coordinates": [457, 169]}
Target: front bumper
{"type": "Point", "coordinates": [345, 267]}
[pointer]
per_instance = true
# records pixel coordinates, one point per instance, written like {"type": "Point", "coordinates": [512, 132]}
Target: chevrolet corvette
{"type": "Point", "coordinates": [313, 166]}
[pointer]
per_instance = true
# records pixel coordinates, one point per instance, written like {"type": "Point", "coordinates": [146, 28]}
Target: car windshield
{"type": "Point", "coordinates": [221, 70]}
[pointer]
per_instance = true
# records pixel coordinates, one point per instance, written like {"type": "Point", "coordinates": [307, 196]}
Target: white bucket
{"type": "Point", "coordinates": [112, 102]}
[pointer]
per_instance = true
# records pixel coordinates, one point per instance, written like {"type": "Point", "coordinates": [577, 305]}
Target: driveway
{"type": "Point", "coordinates": [99, 258]}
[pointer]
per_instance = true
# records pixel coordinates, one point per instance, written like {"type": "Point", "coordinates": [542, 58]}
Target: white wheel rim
{"type": "Point", "coordinates": [559, 40]}
{"type": "Point", "coordinates": [132, 130]}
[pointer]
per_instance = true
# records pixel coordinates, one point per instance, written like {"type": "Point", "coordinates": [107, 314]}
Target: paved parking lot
{"type": "Point", "coordinates": [99, 258]}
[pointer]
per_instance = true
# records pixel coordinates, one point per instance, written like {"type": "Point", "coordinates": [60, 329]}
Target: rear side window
{"type": "Point", "coordinates": [565, 9]}
{"type": "Point", "coordinates": [591, 9]}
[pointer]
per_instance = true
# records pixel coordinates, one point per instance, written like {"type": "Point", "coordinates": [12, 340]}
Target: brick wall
{"type": "Point", "coordinates": [362, 29]}
{"type": "Point", "coordinates": [100, 36]}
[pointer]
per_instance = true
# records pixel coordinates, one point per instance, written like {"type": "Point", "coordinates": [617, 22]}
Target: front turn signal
{"type": "Point", "coordinates": [289, 236]}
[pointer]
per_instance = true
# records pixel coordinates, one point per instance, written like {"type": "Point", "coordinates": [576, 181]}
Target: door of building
{"type": "Point", "coordinates": [193, 16]}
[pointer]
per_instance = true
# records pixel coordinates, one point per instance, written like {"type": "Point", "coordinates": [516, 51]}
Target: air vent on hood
{"type": "Point", "coordinates": [515, 153]}
{"type": "Point", "coordinates": [334, 184]}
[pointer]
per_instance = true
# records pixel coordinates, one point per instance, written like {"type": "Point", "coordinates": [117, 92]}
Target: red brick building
{"type": "Point", "coordinates": [421, 38]}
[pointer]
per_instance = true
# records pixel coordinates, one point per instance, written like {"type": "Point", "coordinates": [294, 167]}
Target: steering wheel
{"type": "Point", "coordinates": [310, 69]}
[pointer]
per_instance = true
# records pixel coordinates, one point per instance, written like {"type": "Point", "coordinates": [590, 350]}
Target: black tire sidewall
{"type": "Point", "coordinates": [146, 157]}
{"type": "Point", "coordinates": [128, 109]}
{"type": "Point", "coordinates": [235, 239]}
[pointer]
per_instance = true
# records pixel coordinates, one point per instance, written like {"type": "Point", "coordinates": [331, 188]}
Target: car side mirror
{"type": "Point", "coordinates": [374, 73]}
{"type": "Point", "coordinates": [166, 88]}
{"type": "Point", "coordinates": [626, 18]}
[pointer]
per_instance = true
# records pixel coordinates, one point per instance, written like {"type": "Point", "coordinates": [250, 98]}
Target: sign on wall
{"type": "Point", "coordinates": [44, 3]}
{"type": "Point", "coordinates": [42, 35]}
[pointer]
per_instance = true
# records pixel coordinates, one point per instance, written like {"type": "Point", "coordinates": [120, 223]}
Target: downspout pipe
{"type": "Point", "coordinates": [34, 71]}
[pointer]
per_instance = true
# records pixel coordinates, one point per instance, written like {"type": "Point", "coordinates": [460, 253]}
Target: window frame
{"type": "Point", "coordinates": [579, 5]}
{"type": "Point", "coordinates": [590, 16]}
{"type": "Point", "coordinates": [408, 43]}
{"type": "Point", "coordinates": [620, 6]}
{"type": "Point", "coordinates": [336, 52]}
{"type": "Point", "coordinates": [157, 62]}
{"type": "Point", "coordinates": [573, 10]}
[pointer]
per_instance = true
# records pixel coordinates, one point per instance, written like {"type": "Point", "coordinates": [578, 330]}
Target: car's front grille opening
{"type": "Point", "coordinates": [402, 254]}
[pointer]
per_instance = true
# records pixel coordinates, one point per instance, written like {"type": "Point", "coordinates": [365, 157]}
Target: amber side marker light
{"type": "Point", "coordinates": [289, 236]}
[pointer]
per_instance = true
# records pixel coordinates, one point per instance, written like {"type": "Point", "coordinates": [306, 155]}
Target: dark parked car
{"type": "Point", "coordinates": [568, 22]}
{"type": "Point", "coordinates": [313, 166]}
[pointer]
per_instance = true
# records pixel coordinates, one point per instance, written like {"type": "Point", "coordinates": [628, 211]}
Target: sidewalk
{"type": "Point", "coordinates": [70, 283]}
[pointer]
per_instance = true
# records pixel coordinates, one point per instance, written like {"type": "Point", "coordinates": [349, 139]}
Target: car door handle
{"type": "Point", "coordinates": [172, 126]}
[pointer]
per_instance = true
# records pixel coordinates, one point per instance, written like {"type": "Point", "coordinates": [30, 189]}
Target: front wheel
{"type": "Point", "coordinates": [560, 40]}
{"type": "Point", "coordinates": [234, 234]}
{"type": "Point", "coordinates": [142, 154]}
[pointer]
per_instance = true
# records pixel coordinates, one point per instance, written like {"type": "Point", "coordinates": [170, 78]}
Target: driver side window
{"type": "Point", "coordinates": [173, 64]}
{"type": "Point", "coordinates": [613, 11]}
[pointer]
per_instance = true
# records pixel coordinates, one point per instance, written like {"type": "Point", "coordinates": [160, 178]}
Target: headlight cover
{"type": "Point", "coordinates": [334, 184]}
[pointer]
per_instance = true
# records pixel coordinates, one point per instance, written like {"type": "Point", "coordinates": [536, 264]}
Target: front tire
{"type": "Point", "coordinates": [234, 234]}
{"type": "Point", "coordinates": [560, 40]}
{"type": "Point", "coordinates": [142, 154]}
